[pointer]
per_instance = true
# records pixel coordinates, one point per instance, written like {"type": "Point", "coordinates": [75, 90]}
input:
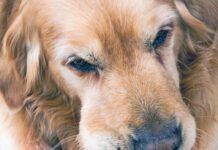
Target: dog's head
{"type": "Point", "coordinates": [118, 58]}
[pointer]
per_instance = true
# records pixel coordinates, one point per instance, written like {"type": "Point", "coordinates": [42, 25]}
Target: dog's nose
{"type": "Point", "coordinates": [158, 137]}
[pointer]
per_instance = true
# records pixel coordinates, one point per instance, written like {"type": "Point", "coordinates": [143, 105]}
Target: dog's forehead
{"type": "Point", "coordinates": [106, 21]}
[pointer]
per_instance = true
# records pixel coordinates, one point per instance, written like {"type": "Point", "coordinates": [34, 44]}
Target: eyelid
{"type": "Point", "coordinates": [168, 26]}
{"type": "Point", "coordinates": [70, 59]}
{"type": "Point", "coordinates": [155, 43]}
{"type": "Point", "coordinates": [73, 57]}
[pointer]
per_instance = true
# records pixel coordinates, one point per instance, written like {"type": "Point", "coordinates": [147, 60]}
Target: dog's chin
{"type": "Point", "coordinates": [103, 142]}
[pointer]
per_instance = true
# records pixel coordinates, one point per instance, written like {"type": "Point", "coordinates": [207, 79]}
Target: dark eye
{"type": "Point", "coordinates": [160, 38]}
{"type": "Point", "coordinates": [82, 65]}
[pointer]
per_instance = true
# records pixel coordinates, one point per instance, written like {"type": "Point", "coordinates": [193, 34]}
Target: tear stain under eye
{"type": "Point", "coordinates": [149, 45]}
{"type": "Point", "coordinates": [158, 57]}
{"type": "Point", "coordinates": [151, 49]}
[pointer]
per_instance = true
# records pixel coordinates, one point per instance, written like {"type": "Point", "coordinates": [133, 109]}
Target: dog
{"type": "Point", "coordinates": [109, 74]}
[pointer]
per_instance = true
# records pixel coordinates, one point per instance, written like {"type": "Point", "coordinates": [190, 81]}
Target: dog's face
{"type": "Point", "coordinates": [120, 59]}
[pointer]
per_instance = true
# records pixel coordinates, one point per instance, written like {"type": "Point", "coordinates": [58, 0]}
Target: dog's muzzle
{"type": "Point", "coordinates": [157, 137]}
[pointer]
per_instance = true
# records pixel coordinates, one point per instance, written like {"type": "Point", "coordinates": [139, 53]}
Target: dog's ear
{"type": "Point", "coordinates": [191, 16]}
{"type": "Point", "coordinates": [21, 56]}
{"type": "Point", "coordinates": [198, 55]}
{"type": "Point", "coordinates": [199, 22]}
{"type": "Point", "coordinates": [205, 11]}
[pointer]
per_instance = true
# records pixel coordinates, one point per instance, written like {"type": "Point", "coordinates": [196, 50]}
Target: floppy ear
{"type": "Point", "coordinates": [189, 18]}
{"type": "Point", "coordinates": [199, 25]}
{"type": "Point", "coordinates": [198, 56]}
{"type": "Point", "coordinates": [11, 86]}
{"type": "Point", "coordinates": [20, 57]}
{"type": "Point", "coordinates": [205, 11]}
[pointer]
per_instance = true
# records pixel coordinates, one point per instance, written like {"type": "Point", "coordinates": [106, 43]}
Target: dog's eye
{"type": "Point", "coordinates": [161, 37]}
{"type": "Point", "coordinates": [82, 65]}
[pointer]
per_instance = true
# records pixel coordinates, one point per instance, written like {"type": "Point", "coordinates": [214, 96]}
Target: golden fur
{"type": "Point", "coordinates": [63, 107]}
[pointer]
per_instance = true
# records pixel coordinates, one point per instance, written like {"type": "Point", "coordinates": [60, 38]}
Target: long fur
{"type": "Point", "coordinates": [54, 117]}
{"type": "Point", "coordinates": [198, 65]}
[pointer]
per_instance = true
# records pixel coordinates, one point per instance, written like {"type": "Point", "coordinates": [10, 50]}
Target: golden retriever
{"type": "Point", "coordinates": [108, 74]}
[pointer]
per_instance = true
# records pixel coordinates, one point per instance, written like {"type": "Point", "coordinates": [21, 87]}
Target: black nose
{"type": "Point", "coordinates": [167, 136]}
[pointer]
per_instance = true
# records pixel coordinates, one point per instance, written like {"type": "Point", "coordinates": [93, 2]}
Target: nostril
{"type": "Point", "coordinates": [164, 137]}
